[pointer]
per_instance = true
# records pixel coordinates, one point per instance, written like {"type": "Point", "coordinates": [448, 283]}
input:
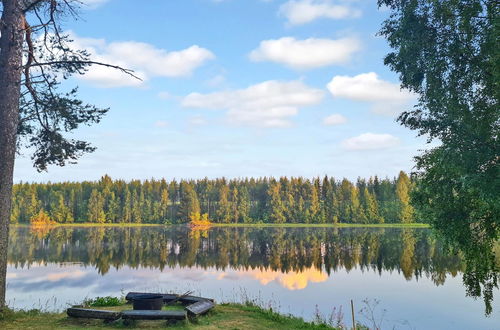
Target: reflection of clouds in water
{"type": "Point", "coordinates": [78, 277]}
{"type": "Point", "coordinates": [148, 279]}
{"type": "Point", "coordinates": [291, 280]}
{"type": "Point", "coordinates": [39, 279]}
{"type": "Point", "coordinates": [75, 274]}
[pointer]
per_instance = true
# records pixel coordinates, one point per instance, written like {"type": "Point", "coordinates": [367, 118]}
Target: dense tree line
{"type": "Point", "coordinates": [249, 200]}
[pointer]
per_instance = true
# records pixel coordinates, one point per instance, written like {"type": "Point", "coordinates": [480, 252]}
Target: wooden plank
{"type": "Point", "coordinates": [154, 315]}
{"type": "Point", "coordinates": [166, 296]}
{"type": "Point", "coordinates": [200, 307]}
{"type": "Point", "coordinates": [93, 313]}
{"type": "Point", "coordinates": [187, 300]}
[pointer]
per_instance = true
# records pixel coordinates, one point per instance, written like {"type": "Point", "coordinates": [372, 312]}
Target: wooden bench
{"type": "Point", "coordinates": [170, 316]}
{"type": "Point", "coordinates": [166, 296]}
{"type": "Point", "coordinates": [93, 314]}
{"type": "Point", "coordinates": [200, 307]}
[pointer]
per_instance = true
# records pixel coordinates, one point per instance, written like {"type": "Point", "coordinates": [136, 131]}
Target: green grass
{"type": "Point", "coordinates": [224, 316]}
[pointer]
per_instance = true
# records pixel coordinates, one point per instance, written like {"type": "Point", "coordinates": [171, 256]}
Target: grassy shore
{"type": "Point", "coordinates": [254, 225]}
{"type": "Point", "coordinates": [224, 316]}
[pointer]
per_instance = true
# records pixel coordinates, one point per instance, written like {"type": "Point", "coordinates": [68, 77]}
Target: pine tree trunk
{"type": "Point", "coordinates": [11, 42]}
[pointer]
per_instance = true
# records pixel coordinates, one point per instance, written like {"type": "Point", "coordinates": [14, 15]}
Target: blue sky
{"type": "Point", "coordinates": [238, 88]}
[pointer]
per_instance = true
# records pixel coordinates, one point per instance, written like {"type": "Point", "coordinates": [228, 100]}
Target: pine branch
{"type": "Point", "coordinates": [126, 71]}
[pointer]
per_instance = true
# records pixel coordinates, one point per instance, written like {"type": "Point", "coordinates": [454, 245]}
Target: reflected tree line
{"type": "Point", "coordinates": [248, 200]}
{"type": "Point", "coordinates": [414, 253]}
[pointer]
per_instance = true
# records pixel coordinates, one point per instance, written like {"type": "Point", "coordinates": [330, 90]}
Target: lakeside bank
{"type": "Point", "coordinates": [224, 316]}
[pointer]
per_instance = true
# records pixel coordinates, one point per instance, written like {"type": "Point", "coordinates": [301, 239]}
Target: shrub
{"type": "Point", "coordinates": [103, 302]}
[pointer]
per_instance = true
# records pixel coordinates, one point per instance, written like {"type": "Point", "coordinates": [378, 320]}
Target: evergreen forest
{"type": "Point", "coordinates": [248, 200]}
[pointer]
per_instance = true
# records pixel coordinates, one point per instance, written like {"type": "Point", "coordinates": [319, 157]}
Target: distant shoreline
{"type": "Point", "coordinates": [253, 225]}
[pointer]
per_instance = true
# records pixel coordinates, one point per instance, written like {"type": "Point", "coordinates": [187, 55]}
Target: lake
{"type": "Point", "coordinates": [418, 285]}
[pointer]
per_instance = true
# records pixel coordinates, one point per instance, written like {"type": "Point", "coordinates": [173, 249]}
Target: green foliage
{"type": "Point", "coordinates": [223, 212]}
{"type": "Point", "coordinates": [447, 53]}
{"type": "Point", "coordinates": [276, 206]}
{"type": "Point", "coordinates": [6, 314]}
{"type": "Point", "coordinates": [405, 210]}
{"type": "Point", "coordinates": [96, 207]}
{"type": "Point", "coordinates": [189, 203]}
{"type": "Point", "coordinates": [263, 200]}
{"type": "Point", "coordinates": [103, 301]}
{"type": "Point", "coordinates": [47, 113]}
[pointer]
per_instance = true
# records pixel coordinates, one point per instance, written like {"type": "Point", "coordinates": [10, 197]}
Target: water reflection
{"type": "Point", "coordinates": [298, 252]}
{"type": "Point", "coordinates": [409, 270]}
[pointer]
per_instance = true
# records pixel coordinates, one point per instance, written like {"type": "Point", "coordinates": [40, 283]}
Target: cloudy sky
{"type": "Point", "coordinates": [238, 88]}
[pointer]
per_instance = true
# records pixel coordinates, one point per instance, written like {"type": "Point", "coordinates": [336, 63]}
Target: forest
{"type": "Point", "coordinates": [248, 200]}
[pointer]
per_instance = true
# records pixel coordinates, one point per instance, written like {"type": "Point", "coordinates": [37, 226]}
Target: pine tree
{"type": "Point", "coordinates": [126, 207]}
{"type": "Point", "coordinates": [60, 212]}
{"type": "Point", "coordinates": [370, 207]}
{"type": "Point", "coordinates": [276, 206]}
{"type": "Point", "coordinates": [112, 209]}
{"type": "Point", "coordinates": [244, 205]}
{"type": "Point", "coordinates": [136, 208]}
{"type": "Point", "coordinates": [223, 213]}
{"type": "Point", "coordinates": [34, 206]}
{"type": "Point", "coordinates": [95, 207]}
{"type": "Point", "coordinates": [163, 206]}
{"type": "Point", "coordinates": [234, 204]}
{"type": "Point", "coordinates": [313, 210]}
{"type": "Point", "coordinates": [189, 203]}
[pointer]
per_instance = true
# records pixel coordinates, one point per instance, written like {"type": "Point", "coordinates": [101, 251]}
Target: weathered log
{"type": "Point", "coordinates": [93, 314]}
{"type": "Point", "coordinates": [153, 315]}
{"type": "Point", "coordinates": [200, 307]}
{"type": "Point", "coordinates": [166, 296]}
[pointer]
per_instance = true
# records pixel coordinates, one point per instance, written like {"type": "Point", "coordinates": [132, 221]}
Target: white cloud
{"type": "Point", "coordinates": [306, 54]}
{"type": "Point", "coordinates": [305, 11]}
{"type": "Point", "coordinates": [370, 141]}
{"type": "Point", "coordinates": [335, 119]}
{"type": "Point", "coordinates": [387, 98]}
{"type": "Point", "coordinates": [146, 60]}
{"type": "Point", "coordinates": [267, 104]}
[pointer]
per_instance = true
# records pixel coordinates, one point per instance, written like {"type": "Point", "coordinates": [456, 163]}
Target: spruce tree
{"type": "Point", "coordinates": [276, 211]}
{"type": "Point", "coordinates": [95, 207]}
{"type": "Point", "coordinates": [189, 203]}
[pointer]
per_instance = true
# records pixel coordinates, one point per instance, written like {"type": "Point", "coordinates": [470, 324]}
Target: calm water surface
{"type": "Point", "coordinates": [295, 269]}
